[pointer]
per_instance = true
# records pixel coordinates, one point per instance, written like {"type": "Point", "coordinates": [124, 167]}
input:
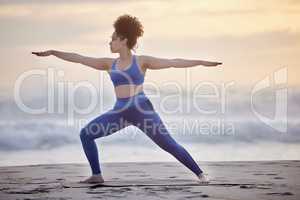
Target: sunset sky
{"type": "Point", "coordinates": [251, 38]}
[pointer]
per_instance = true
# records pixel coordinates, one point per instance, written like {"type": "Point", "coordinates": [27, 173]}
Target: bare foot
{"type": "Point", "coordinates": [93, 179]}
{"type": "Point", "coordinates": [202, 179]}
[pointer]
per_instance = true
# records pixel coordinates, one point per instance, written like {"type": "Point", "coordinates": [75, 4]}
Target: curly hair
{"type": "Point", "coordinates": [127, 26]}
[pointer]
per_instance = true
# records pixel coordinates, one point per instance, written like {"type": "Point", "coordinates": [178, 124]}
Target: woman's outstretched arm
{"type": "Point", "coordinates": [160, 63]}
{"type": "Point", "coordinates": [97, 63]}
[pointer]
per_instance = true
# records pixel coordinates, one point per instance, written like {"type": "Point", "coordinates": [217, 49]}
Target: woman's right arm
{"type": "Point", "coordinates": [97, 63]}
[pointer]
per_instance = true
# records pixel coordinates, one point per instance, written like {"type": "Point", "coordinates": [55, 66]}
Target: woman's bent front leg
{"type": "Point", "coordinates": [104, 125]}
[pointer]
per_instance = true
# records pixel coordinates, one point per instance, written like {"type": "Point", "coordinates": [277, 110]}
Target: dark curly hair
{"type": "Point", "coordinates": [127, 26]}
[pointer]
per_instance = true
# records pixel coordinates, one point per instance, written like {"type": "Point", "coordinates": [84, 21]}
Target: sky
{"type": "Point", "coordinates": [252, 38]}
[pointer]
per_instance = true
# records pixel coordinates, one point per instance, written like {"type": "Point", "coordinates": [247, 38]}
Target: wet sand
{"type": "Point", "coordinates": [156, 180]}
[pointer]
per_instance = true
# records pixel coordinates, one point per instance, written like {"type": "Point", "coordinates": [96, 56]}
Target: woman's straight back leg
{"type": "Point", "coordinates": [148, 120]}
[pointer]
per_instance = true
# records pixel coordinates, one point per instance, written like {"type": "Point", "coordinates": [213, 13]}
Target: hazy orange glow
{"type": "Point", "coordinates": [251, 38]}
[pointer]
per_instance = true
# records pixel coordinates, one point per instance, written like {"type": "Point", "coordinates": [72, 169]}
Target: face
{"type": "Point", "coordinates": [116, 44]}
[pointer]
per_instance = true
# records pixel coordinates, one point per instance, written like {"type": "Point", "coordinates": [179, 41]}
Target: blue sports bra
{"type": "Point", "coordinates": [131, 75]}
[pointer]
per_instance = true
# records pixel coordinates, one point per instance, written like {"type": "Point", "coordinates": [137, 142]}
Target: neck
{"type": "Point", "coordinates": [125, 55]}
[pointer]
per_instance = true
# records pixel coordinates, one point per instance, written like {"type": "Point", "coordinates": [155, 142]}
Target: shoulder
{"type": "Point", "coordinates": [144, 58]}
{"type": "Point", "coordinates": [108, 62]}
{"type": "Point", "coordinates": [143, 61]}
{"type": "Point", "coordinates": [151, 62]}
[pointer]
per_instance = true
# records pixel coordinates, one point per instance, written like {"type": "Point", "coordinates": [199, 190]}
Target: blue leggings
{"type": "Point", "coordinates": [138, 111]}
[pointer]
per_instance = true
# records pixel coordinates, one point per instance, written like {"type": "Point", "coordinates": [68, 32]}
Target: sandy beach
{"type": "Point", "coordinates": [156, 180]}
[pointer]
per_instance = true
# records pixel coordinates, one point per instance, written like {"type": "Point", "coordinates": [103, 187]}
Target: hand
{"type": "Point", "coordinates": [212, 64]}
{"type": "Point", "coordinates": [43, 53]}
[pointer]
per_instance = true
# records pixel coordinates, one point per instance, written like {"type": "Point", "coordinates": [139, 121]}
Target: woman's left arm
{"type": "Point", "coordinates": [160, 63]}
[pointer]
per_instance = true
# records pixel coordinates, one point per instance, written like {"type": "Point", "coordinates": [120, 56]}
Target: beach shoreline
{"type": "Point", "coordinates": [154, 180]}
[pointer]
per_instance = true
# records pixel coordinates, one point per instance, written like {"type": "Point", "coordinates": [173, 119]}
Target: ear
{"type": "Point", "coordinates": [124, 41]}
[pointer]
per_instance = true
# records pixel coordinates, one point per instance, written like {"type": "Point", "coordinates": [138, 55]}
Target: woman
{"type": "Point", "coordinates": [132, 106]}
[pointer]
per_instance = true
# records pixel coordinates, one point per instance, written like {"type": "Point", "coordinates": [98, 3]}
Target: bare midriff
{"type": "Point", "coordinates": [124, 91]}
